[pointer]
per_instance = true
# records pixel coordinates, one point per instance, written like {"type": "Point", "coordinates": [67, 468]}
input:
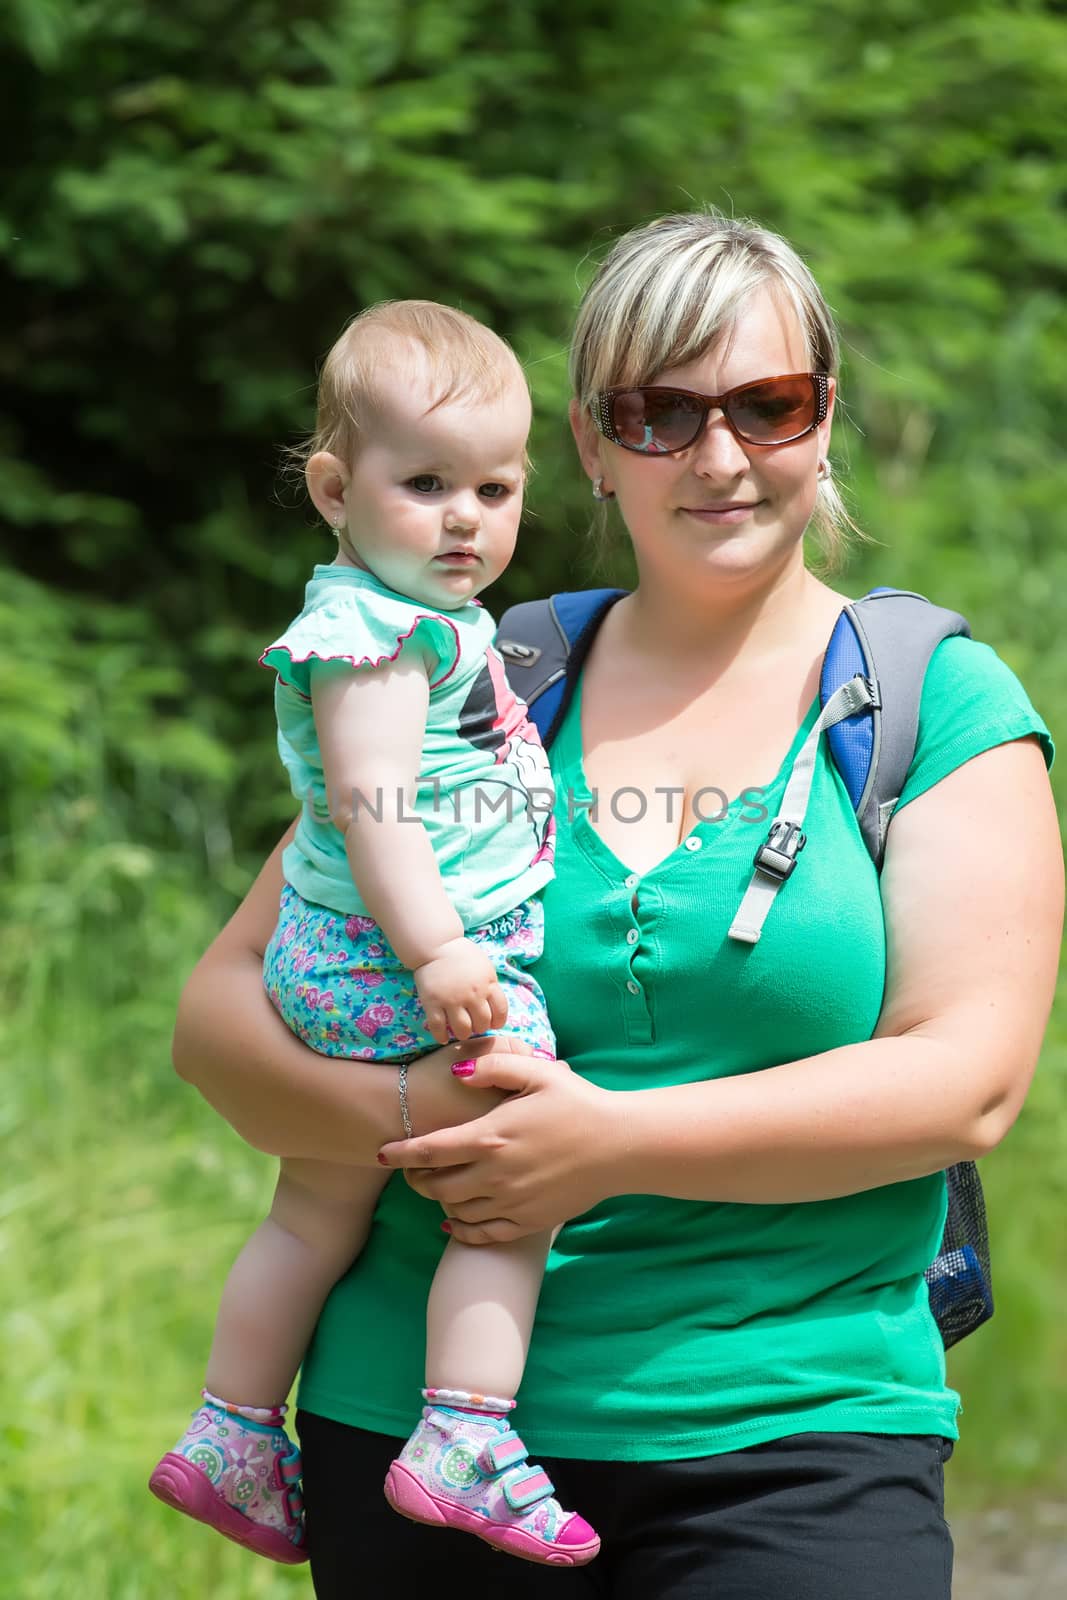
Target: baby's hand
{"type": "Point", "coordinates": [460, 992]}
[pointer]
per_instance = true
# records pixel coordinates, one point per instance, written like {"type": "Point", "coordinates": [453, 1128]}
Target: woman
{"type": "Point", "coordinates": [735, 1370]}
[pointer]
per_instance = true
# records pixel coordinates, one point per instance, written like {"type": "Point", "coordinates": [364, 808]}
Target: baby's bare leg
{"type": "Point", "coordinates": [317, 1226]}
{"type": "Point", "coordinates": [480, 1313]}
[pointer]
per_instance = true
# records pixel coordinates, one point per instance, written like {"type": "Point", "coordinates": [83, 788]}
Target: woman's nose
{"type": "Point", "coordinates": [718, 452]}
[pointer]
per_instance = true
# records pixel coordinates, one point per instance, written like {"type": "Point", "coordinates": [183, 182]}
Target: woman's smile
{"type": "Point", "coordinates": [725, 514]}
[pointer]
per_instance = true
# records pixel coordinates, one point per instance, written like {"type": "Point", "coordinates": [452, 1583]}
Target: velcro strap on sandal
{"type": "Point", "coordinates": [441, 1420]}
{"type": "Point", "coordinates": [522, 1489]}
{"type": "Point", "coordinates": [287, 1478]}
{"type": "Point", "coordinates": [505, 1450]}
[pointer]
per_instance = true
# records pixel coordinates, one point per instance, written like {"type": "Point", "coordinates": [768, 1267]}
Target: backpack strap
{"type": "Point", "coordinates": [882, 642]}
{"type": "Point", "coordinates": [544, 643]}
{"type": "Point", "coordinates": [888, 638]}
{"type": "Point", "coordinates": [870, 689]}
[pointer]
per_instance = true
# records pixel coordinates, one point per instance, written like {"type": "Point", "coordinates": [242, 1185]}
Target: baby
{"type": "Point", "coordinates": [410, 917]}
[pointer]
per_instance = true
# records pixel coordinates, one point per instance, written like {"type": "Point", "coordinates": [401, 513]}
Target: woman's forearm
{"type": "Point", "coordinates": [287, 1100]}
{"type": "Point", "coordinates": [279, 1095]}
{"type": "Point", "coordinates": [855, 1118]}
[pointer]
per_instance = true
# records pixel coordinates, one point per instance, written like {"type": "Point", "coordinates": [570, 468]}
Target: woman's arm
{"type": "Point", "coordinates": [279, 1095]}
{"type": "Point", "coordinates": [973, 893]}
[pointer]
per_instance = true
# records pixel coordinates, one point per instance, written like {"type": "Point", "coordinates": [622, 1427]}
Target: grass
{"type": "Point", "coordinates": [126, 1199]}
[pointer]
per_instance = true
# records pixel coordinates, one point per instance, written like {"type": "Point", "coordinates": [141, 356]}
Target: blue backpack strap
{"type": "Point", "coordinates": [544, 643]}
{"type": "Point", "coordinates": [887, 639]}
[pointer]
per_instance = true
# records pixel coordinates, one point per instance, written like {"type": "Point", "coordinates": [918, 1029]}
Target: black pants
{"type": "Point", "coordinates": [819, 1516]}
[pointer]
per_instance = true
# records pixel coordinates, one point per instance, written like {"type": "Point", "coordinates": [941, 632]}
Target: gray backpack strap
{"type": "Point", "coordinates": [777, 856]}
{"type": "Point", "coordinates": [544, 644]}
{"type": "Point", "coordinates": [898, 632]}
{"type": "Point", "coordinates": [530, 636]}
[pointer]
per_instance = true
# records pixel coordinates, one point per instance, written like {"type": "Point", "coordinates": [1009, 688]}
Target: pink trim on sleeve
{"type": "Point", "coordinates": [364, 661]}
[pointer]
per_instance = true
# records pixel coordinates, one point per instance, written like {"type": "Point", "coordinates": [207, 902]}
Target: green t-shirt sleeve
{"type": "Point", "coordinates": [361, 630]}
{"type": "Point", "coordinates": [971, 701]}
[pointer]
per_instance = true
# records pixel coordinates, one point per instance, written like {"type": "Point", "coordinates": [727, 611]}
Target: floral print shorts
{"type": "Point", "coordinates": [341, 989]}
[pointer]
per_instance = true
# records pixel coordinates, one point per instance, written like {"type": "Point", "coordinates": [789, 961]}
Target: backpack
{"type": "Point", "coordinates": [869, 691]}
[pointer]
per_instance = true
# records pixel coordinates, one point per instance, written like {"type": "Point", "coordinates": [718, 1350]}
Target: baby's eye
{"type": "Point", "coordinates": [425, 483]}
{"type": "Point", "coordinates": [494, 491]}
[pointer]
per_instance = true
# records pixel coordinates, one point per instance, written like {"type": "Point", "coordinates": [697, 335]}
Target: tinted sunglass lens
{"type": "Point", "coordinates": [770, 413]}
{"type": "Point", "coordinates": [654, 422]}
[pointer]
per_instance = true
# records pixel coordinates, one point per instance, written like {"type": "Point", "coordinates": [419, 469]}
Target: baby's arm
{"type": "Point", "coordinates": [371, 725]}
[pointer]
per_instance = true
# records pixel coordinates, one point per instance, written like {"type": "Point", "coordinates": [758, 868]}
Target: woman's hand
{"type": "Point", "coordinates": [550, 1151]}
{"type": "Point", "coordinates": [439, 1099]}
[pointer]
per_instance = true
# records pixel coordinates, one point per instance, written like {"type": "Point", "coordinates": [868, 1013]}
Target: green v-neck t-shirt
{"type": "Point", "coordinates": [672, 1328]}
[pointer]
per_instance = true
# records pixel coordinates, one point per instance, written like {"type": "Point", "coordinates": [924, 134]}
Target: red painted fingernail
{"type": "Point", "coordinates": [463, 1069]}
{"type": "Point", "coordinates": [446, 1227]}
{"type": "Point", "coordinates": [383, 1161]}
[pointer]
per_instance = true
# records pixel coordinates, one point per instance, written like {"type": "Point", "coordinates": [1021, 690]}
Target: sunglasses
{"type": "Point", "coordinates": [659, 422]}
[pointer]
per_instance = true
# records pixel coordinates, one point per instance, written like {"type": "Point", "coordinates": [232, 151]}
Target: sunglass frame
{"type": "Point", "coordinates": [601, 410]}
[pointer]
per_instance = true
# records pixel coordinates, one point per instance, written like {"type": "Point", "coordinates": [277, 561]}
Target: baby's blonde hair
{"type": "Point", "coordinates": [669, 290]}
{"type": "Point", "coordinates": [465, 361]}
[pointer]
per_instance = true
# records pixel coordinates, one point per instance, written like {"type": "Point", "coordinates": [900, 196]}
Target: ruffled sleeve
{"type": "Point", "coordinates": [363, 629]}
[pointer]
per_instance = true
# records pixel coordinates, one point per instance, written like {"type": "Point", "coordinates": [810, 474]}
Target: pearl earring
{"type": "Point", "coordinates": [824, 471]}
{"type": "Point", "coordinates": [599, 492]}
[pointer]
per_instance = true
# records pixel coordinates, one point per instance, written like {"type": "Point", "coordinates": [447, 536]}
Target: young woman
{"type": "Point", "coordinates": [735, 1370]}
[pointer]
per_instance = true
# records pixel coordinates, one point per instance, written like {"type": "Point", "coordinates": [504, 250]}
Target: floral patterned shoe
{"type": "Point", "coordinates": [240, 1477]}
{"type": "Point", "coordinates": [464, 1470]}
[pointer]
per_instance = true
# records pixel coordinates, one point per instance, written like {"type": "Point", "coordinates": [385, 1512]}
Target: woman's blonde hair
{"type": "Point", "coordinates": [669, 290]}
{"type": "Point", "coordinates": [465, 361]}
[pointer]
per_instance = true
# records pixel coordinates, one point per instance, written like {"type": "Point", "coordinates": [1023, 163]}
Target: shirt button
{"type": "Point", "coordinates": [632, 936]}
{"type": "Point", "coordinates": [693, 843]}
{"type": "Point", "coordinates": [631, 880]}
{"type": "Point", "coordinates": [634, 988]}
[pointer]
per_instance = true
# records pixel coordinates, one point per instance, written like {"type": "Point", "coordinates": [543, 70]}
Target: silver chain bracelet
{"type": "Point", "coordinates": [405, 1114]}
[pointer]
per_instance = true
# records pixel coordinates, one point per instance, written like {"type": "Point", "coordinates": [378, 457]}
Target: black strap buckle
{"type": "Point", "coordinates": [777, 855]}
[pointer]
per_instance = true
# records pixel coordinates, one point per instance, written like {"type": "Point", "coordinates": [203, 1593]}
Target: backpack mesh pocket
{"type": "Point", "coordinates": [958, 1279]}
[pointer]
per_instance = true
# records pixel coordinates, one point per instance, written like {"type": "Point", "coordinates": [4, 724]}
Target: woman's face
{"type": "Point", "coordinates": [721, 510]}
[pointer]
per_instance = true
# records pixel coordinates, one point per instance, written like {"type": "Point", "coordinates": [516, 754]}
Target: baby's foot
{"type": "Point", "coordinates": [241, 1478]}
{"type": "Point", "coordinates": [463, 1470]}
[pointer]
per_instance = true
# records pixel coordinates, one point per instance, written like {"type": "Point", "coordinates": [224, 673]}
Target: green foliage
{"type": "Point", "coordinates": [203, 195]}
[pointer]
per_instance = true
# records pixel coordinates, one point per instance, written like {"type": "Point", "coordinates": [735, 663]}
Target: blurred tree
{"type": "Point", "coordinates": [203, 196]}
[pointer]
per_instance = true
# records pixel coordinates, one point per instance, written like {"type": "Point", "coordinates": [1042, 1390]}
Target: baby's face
{"type": "Point", "coordinates": [435, 494]}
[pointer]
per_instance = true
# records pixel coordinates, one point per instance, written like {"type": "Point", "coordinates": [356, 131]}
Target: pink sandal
{"type": "Point", "coordinates": [241, 1478]}
{"type": "Point", "coordinates": [468, 1471]}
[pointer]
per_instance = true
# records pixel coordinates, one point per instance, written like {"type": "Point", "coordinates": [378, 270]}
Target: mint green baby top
{"type": "Point", "coordinates": [484, 788]}
{"type": "Point", "coordinates": [670, 1328]}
